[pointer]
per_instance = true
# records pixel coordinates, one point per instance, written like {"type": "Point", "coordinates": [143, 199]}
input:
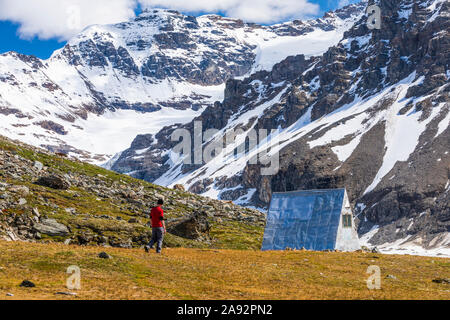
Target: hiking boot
{"type": "Point", "coordinates": [147, 249]}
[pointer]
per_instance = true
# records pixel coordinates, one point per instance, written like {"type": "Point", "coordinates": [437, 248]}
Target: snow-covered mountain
{"type": "Point", "coordinates": [110, 83]}
{"type": "Point", "coordinates": [363, 109]}
{"type": "Point", "coordinates": [371, 114]}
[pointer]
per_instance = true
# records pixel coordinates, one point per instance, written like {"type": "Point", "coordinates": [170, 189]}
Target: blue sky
{"type": "Point", "coordinates": [26, 34]}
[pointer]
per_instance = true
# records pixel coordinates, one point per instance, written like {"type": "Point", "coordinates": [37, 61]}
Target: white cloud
{"type": "Point", "coordinates": [260, 11]}
{"type": "Point", "coordinates": [63, 19]}
{"type": "Point", "coordinates": [343, 3]}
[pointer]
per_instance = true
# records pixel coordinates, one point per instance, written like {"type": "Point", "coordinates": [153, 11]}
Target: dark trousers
{"type": "Point", "coordinates": [157, 237]}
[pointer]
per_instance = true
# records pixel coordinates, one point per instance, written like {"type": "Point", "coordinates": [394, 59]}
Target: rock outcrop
{"type": "Point", "coordinates": [193, 227]}
{"type": "Point", "coordinates": [51, 227]}
{"type": "Point", "coordinates": [54, 182]}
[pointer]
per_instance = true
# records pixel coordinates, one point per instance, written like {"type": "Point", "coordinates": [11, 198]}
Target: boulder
{"type": "Point", "coordinates": [51, 227]}
{"type": "Point", "coordinates": [443, 280]}
{"type": "Point", "coordinates": [104, 255]}
{"type": "Point", "coordinates": [71, 211]}
{"type": "Point", "coordinates": [193, 227]}
{"type": "Point", "coordinates": [66, 293]}
{"type": "Point", "coordinates": [38, 166]}
{"type": "Point", "coordinates": [35, 212]}
{"type": "Point", "coordinates": [27, 284]}
{"type": "Point", "coordinates": [84, 238]}
{"type": "Point", "coordinates": [179, 187]}
{"type": "Point", "coordinates": [54, 182]}
{"type": "Point", "coordinates": [23, 190]}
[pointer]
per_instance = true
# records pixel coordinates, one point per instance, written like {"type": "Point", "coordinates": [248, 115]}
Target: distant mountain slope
{"type": "Point", "coordinates": [111, 83]}
{"type": "Point", "coordinates": [371, 114]}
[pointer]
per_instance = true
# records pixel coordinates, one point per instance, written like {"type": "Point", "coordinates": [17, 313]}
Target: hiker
{"type": "Point", "coordinates": [158, 227]}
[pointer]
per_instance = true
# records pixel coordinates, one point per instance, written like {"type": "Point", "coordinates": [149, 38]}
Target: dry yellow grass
{"type": "Point", "coordinates": [215, 274]}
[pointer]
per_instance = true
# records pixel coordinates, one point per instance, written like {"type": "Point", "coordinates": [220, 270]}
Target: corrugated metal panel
{"type": "Point", "coordinates": [303, 219]}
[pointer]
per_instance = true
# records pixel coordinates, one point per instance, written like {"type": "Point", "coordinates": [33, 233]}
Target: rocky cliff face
{"type": "Point", "coordinates": [371, 114]}
{"type": "Point", "coordinates": [112, 83]}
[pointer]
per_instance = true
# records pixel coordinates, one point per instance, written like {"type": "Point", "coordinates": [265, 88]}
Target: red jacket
{"type": "Point", "coordinates": [157, 216]}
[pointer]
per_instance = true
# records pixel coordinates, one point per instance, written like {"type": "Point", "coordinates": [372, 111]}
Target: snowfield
{"type": "Point", "coordinates": [409, 247]}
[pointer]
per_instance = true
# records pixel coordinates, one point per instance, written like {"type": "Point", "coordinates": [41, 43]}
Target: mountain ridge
{"type": "Point", "coordinates": [113, 81]}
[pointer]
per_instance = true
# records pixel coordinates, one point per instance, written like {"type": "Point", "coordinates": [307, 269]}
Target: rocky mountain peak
{"type": "Point", "coordinates": [368, 115]}
{"type": "Point", "coordinates": [157, 65]}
